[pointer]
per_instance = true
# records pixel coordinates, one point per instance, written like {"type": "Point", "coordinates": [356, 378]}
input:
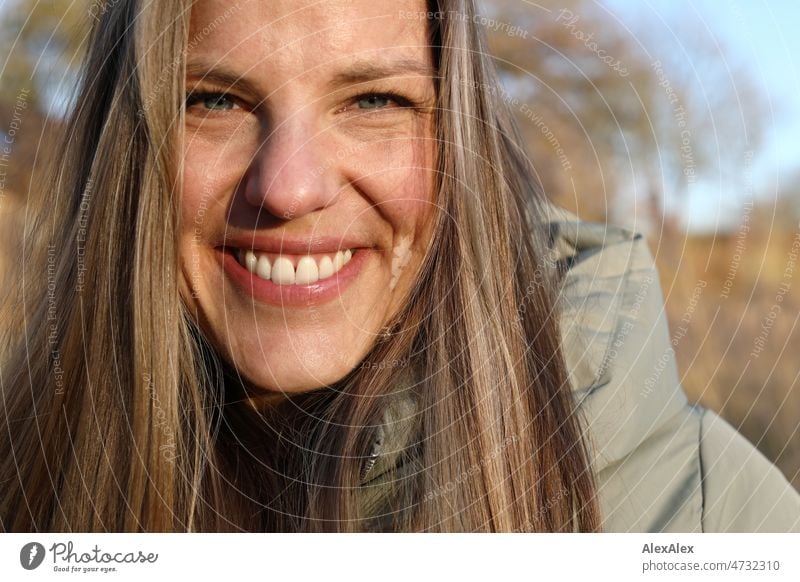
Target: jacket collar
{"type": "Point", "coordinates": [615, 342]}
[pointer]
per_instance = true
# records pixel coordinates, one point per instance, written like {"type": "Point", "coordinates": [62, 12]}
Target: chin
{"type": "Point", "coordinates": [300, 361]}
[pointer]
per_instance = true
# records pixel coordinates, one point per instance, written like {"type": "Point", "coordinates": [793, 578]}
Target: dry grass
{"type": "Point", "coordinates": [737, 340]}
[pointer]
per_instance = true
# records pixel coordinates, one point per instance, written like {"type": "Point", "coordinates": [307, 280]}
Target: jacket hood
{"type": "Point", "coordinates": [615, 343]}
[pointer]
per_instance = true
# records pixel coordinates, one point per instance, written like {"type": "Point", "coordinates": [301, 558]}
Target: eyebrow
{"type": "Point", "coordinates": [358, 72]}
{"type": "Point", "coordinates": [365, 71]}
{"type": "Point", "coordinates": [220, 76]}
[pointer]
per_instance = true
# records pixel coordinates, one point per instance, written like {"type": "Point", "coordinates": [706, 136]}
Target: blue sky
{"type": "Point", "coordinates": [761, 34]}
{"type": "Point", "coordinates": [764, 34]}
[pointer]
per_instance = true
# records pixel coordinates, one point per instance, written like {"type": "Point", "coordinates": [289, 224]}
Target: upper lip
{"type": "Point", "coordinates": [292, 245]}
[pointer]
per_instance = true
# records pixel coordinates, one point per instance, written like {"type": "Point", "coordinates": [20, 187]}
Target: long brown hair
{"type": "Point", "coordinates": [117, 415]}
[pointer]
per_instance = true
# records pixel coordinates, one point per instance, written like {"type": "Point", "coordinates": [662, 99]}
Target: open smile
{"type": "Point", "coordinates": [287, 279]}
{"type": "Point", "coordinates": [293, 269]}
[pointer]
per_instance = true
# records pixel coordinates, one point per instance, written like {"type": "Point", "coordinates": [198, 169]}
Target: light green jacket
{"type": "Point", "coordinates": [662, 465]}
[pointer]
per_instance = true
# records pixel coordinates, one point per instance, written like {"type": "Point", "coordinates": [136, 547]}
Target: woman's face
{"type": "Point", "coordinates": [308, 178]}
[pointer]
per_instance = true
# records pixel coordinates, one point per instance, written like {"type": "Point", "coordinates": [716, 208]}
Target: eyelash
{"type": "Point", "coordinates": [195, 97]}
{"type": "Point", "coordinates": [400, 100]}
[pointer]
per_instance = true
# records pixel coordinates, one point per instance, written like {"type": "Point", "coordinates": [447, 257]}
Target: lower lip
{"type": "Point", "coordinates": [265, 291]}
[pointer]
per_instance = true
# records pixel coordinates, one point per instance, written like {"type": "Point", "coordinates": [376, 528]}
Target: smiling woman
{"type": "Point", "coordinates": [309, 150]}
{"type": "Point", "coordinates": [305, 281]}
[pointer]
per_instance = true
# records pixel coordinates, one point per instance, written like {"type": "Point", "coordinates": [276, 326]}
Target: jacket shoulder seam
{"type": "Point", "coordinates": [625, 276]}
{"type": "Point", "coordinates": [703, 485]}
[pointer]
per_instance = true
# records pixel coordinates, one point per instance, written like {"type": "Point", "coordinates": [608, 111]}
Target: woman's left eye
{"type": "Point", "coordinates": [373, 101]}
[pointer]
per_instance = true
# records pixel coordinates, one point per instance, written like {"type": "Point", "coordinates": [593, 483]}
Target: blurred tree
{"type": "Point", "coordinates": [40, 46]}
{"type": "Point", "coordinates": [637, 120]}
{"type": "Point", "coordinates": [42, 43]}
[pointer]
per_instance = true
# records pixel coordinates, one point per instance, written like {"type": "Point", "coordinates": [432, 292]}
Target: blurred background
{"type": "Point", "coordinates": [679, 118]}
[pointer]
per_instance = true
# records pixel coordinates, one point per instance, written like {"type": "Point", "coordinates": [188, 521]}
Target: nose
{"type": "Point", "coordinates": [293, 175]}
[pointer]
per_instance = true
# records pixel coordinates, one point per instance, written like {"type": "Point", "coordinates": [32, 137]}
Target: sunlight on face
{"type": "Point", "coordinates": [308, 180]}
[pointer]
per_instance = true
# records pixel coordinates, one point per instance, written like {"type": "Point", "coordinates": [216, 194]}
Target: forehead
{"type": "Point", "coordinates": [300, 35]}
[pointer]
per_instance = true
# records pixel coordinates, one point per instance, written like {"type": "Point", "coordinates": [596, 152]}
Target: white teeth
{"type": "Point", "coordinates": [282, 271]}
{"type": "Point", "coordinates": [263, 268]}
{"type": "Point", "coordinates": [251, 261]}
{"type": "Point", "coordinates": [326, 268]}
{"type": "Point", "coordinates": [307, 271]}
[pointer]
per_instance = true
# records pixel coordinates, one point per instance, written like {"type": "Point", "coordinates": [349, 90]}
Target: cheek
{"type": "Point", "coordinates": [408, 212]}
{"type": "Point", "coordinates": [191, 201]}
{"type": "Point", "coordinates": [398, 176]}
{"type": "Point", "coordinates": [197, 187]}
{"type": "Point", "coordinates": [211, 170]}
{"type": "Point", "coordinates": [399, 181]}
{"type": "Point", "coordinates": [202, 202]}
{"type": "Point", "coordinates": [405, 200]}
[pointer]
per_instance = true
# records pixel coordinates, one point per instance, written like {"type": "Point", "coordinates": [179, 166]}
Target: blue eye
{"type": "Point", "coordinates": [374, 101]}
{"type": "Point", "coordinates": [218, 102]}
{"type": "Point", "coordinates": [211, 101]}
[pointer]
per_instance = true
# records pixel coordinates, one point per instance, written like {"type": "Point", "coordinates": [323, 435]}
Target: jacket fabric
{"type": "Point", "coordinates": [661, 463]}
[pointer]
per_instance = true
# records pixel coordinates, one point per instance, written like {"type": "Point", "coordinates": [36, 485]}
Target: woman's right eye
{"type": "Point", "coordinates": [211, 101]}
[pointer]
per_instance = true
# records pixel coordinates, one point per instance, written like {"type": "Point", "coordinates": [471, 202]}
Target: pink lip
{"type": "Point", "coordinates": [293, 295]}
